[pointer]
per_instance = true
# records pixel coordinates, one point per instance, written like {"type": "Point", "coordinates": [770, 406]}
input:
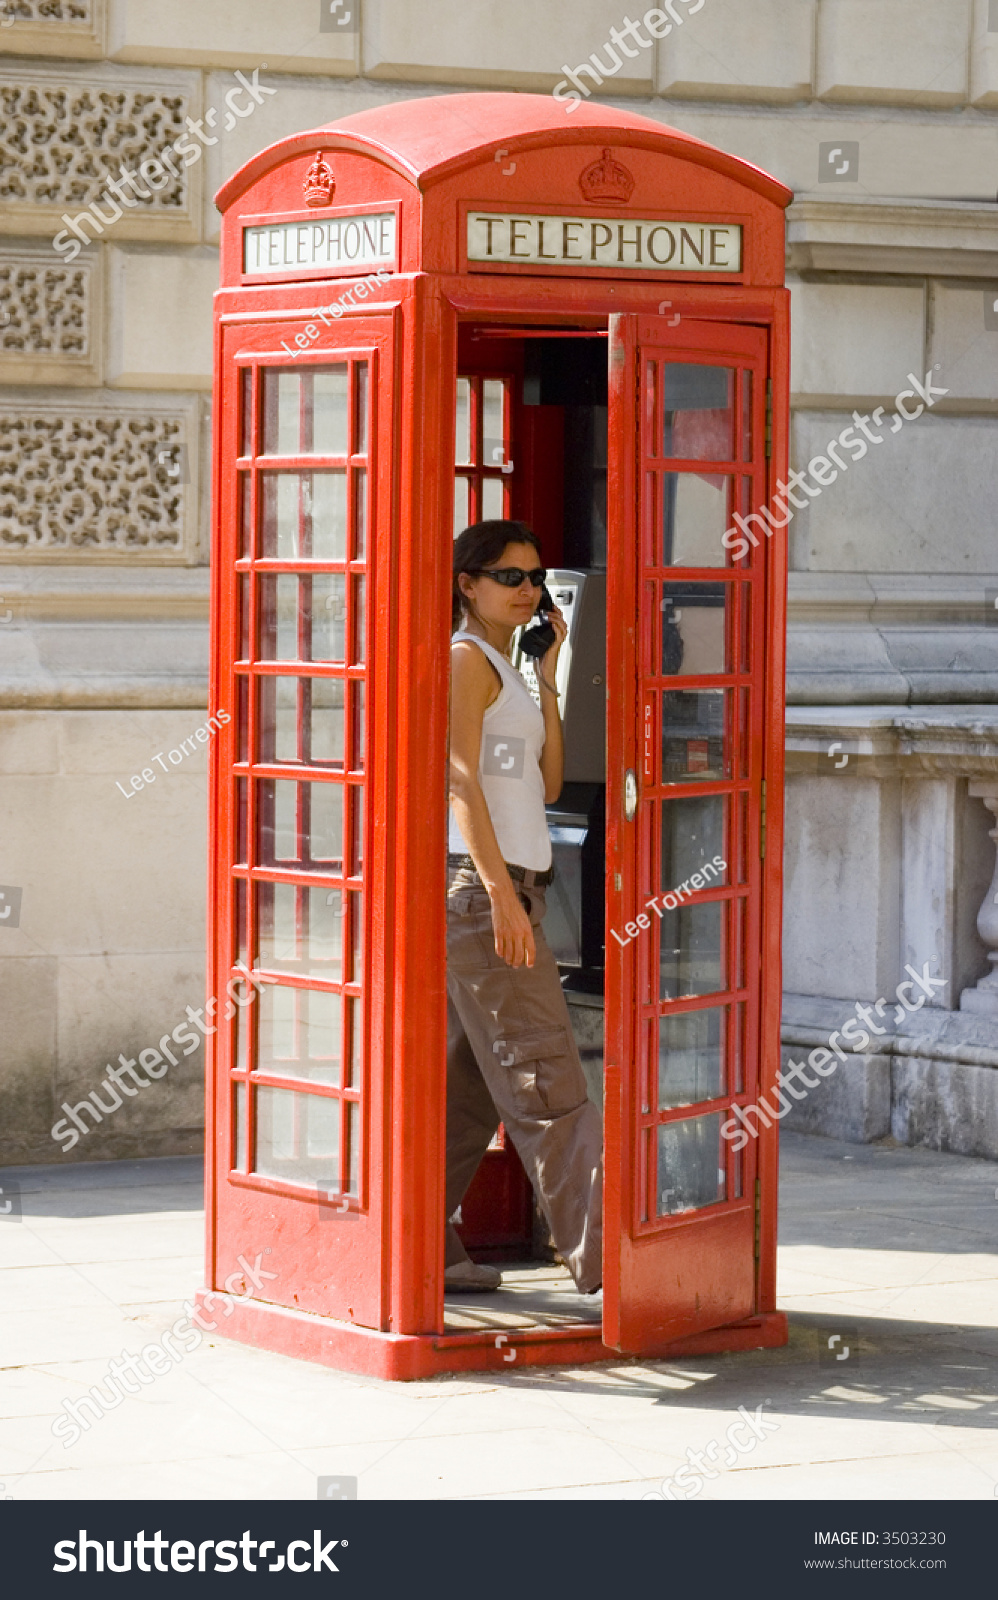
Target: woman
{"type": "Point", "coordinates": [511, 1055]}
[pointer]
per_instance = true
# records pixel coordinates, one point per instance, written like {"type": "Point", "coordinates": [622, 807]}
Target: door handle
{"type": "Point", "coordinates": [630, 794]}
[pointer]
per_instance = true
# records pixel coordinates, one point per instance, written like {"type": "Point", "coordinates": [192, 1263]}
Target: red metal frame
{"type": "Point", "coordinates": [365, 1291]}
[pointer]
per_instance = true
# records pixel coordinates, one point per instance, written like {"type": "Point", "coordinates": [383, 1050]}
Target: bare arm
{"type": "Point", "coordinates": [473, 690]}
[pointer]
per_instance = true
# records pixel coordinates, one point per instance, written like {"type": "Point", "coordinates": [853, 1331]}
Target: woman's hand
{"type": "Point", "coordinates": [514, 936]}
{"type": "Point", "coordinates": [549, 660]}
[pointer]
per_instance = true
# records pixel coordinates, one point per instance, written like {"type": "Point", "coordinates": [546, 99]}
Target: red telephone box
{"type": "Point", "coordinates": [413, 303]}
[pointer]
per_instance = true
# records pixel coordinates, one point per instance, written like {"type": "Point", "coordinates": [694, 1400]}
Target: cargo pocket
{"type": "Point", "coordinates": [544, 1074]}
{"type": "Point", "coordinates": [470, 941]}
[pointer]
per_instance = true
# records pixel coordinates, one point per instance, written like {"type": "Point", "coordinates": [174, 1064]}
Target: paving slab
{"type": "Point", "coordinates": [889, 1253]}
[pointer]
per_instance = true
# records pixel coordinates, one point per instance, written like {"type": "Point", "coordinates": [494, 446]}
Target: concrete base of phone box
{"type": "Point", "coordinates": [404, 1357]}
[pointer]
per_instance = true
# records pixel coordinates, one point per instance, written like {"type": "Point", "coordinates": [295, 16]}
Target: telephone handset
{"type": "Point", "coordinates": [537, 641]}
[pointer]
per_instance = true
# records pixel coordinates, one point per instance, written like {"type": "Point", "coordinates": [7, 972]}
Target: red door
{"type": "Point", "coordinates": [685, 783]}
{"type": "Point", "coordinates": [305, 488]}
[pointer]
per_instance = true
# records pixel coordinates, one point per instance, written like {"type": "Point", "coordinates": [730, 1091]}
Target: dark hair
{"type": "Point", "coordinates": [481, 545]}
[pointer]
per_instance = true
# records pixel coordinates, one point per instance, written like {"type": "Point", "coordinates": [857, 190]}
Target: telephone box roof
{"type": "Point", "coordinates": [429, 138]}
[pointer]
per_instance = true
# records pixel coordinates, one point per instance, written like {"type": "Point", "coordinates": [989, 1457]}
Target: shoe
{"type": "Point", "coordinates": [472, 1276]}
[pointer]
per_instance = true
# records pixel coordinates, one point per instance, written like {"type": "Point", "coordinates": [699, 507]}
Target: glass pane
{"type": "Point", "coordinates": [694, 628]}
{"type": "Point", "coordinates": [692, 840]}
{"type": "Point", "coordinates": [298, 1034]}
{"type": "Point", "coordinates": [360, 515]}
{"type": "Point", "coordinates": [242, 719]}
{"type": "Point", "coordinates": [326, 720]}
{"type": "Point", "coordinates": [326, 821]}
{"type": "Point", "coordinates": [241, 824]}
{"type": "Point", "coordinates": [462, 503]}
{"type": "Point", "coordinates": [240, 916]}
{"type": "Point", "coordinates": [357, 813]}
{"type": "Point", "coordinates": [281, 412]}
{"type": "Point", "coordinates": [360, 429]}
{"type": "Point", "coordinates": [326, 505]}
{"type": "Point", "coordinates": [693, 736]}
{"type": "Point", "coordinates": [698, 422]}
{"type": "Point", "coordinates": [278, 719]}
{"type": "Point", "coordinates": [244, 618]}
{"type": "Point", "coordinates": [462, 452]}
{"type": "Point", "coordinates": [278, 616]}
{"type": "Point", "coordinates": [353, 1133]}
{"type": "Point", "coordinates": [246, 411]}
{"type": "Point", "coordinates": [747, 414]}
{"type": "Point", "coordinates": [493, 424]}
{"type": "Point", "coordinates": [277, 912]}
{"type": "Point", "coordinates": [492, 498]}
{"type": "Point", "coordinates": [245, 541]}
{"type": "Point", "coordinates": [241, 1063]}
{"type": "Point", "coordinates": [691, 1058]}
{"type": "Point", "coordinates": [359, 621]}
{"type": "Point", "coordinates": [297, 1137]}
{"type": "Point", "coordinates": [328, 617]}
{"type": "Point", "coordinates": [240, 1140]}
{"type": "Point", "coordinates": [324, 951]}
{"type": "Point", "coordinates": [277, 820]}
{"type": "Point", "coordinates": [329, 412]}
{"type": "Point", "coordinates": [279, 517]}
{"type": "Point", "coordinates": [300, 930]}
{"type": "Point", "coordinates": [355, 1044]}
{"type": "Point", "coordinates": [690, 951]}
{"type": "Point", "coordinates": [690, 1165]}
{"type": "Point", "coordinates": [322, 825]}
{"type": "Point", "coordinates": [695, 517]}
{"type": "Point", "coordinates": [358, 727]}
{"type": "Point", "coordinates": [356, 938]}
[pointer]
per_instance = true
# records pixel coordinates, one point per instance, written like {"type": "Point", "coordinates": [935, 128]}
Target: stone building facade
{"type": "Point", "coordinates": [882, 116]}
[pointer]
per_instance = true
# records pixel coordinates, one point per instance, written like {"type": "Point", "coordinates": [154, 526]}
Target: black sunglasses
{"type": "Point", "coordinates": [510, 577]}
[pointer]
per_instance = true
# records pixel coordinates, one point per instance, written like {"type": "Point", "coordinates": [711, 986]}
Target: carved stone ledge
{"type": "Point", "coordinates": [102, 479]}
{"type": "Point", "coordinates": [50, 317]}
{"type": "Point", "coordinates": [74, 28]}
{"type": "Point", "coordinates": [64, 134]}
{"type": "Point", "coordinates": [848, 741]}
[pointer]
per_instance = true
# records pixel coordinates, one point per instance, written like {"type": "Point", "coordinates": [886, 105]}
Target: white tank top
{"type": "Point", "coordinates": [509, 769]}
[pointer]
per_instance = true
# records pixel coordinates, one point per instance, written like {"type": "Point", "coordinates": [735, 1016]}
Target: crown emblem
{"type": "Point", "coordinates": [319, 186]}
{"type": "Point", "coordinates": [606, 179]}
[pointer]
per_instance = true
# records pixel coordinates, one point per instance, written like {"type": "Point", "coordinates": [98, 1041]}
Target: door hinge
{"type": "Point", "coordinates": [762, 823]}
{"type": "Point", "coordinates": [758, 1220]}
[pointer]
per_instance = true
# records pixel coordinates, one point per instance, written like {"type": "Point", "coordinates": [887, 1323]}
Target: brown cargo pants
{"type": "Point", "coordinates": [512, 1058]}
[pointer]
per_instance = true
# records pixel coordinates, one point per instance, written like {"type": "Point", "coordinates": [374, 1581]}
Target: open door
{"type": "Point", "coordinates": [686, 714]}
